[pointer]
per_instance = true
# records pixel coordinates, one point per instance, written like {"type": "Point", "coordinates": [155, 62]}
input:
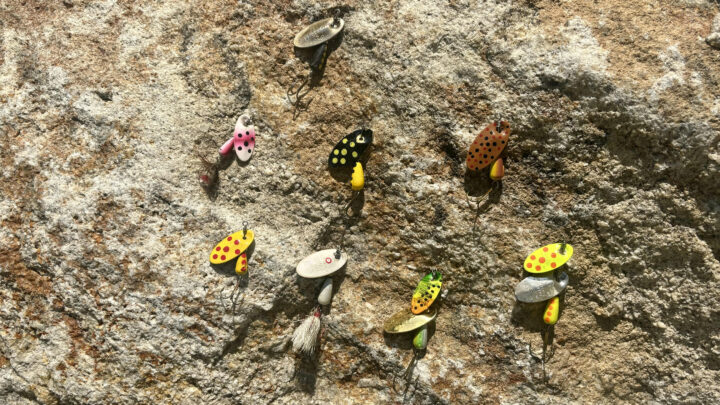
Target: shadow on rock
{"type": "Point", "coordinates": [529, 316]}
{"type": "Point", "coordinates": [306, 373]}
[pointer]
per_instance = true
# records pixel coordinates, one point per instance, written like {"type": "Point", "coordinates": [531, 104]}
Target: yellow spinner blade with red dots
{"type": "Point", "coordinates": [548, 258]}
{"type": "Point", "coordinates": [427, 290]}
{"type": "Point", "coordinates": [232, 247]}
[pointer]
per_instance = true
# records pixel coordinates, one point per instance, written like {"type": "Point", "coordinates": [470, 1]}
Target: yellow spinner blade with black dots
{"type": "Point", "coordinates": [427, 290]}
{"type": "Point", "coordinates": [351, 148]}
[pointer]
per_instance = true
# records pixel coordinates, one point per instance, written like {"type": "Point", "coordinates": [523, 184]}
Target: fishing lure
{"type": "Point", "coordinates": [419, 315]}
{"type": "Point", "coordinates": [426, 292]}
{"type": "Point", "coordinates": [348, 152]}
{"type": "Point", "coordinates": [233, 252]}
{"type": "Point", "coordinates": [548, 286]}
{"type": "Point", "coordinates": [242, 141]}
{"type": "Point", "coordinates": [319, 264]}
{"type": "Point", "coordinates": [488, 146]}
{"type": "Point", "coordinates": [233, 248]}
{"type": "Point", "coordinates": [317, 35]}
{"type": "Point", "coordinates": [486, 150]}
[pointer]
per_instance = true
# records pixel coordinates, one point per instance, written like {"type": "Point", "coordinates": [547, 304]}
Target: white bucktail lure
{"type": "Point", "coordinates": [320, 264]}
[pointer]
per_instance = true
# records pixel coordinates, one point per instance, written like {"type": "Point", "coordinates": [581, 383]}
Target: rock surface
{"type": "Point", "coordinates": [107, 295]}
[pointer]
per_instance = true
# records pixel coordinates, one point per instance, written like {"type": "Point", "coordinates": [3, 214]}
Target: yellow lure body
{"type": "Point", "coordinates": [241, 266]}
{"type": "Point", "coordinates": [497, 170]}
{"type": "Point", "coordinates": [552, 310]}
{"type": "Point", "coordinates": [420, 340]}
{"type": "Point", "coordinates": [357, 180]}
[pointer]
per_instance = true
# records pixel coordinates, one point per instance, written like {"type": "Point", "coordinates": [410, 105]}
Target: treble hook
{"type": "Point", "coordinates": [354, 197]}
{"type": "Point", "coordinates": [548, 335]}
{"type": "Point", "coordinates": [297, 104]}
{"type": "Point", "coordinates": [233, 297]}
{"type": "Point", "coordinates": [298, 96]}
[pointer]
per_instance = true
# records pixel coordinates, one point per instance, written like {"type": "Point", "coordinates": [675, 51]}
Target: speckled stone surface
{"type": "Point", "coordinates": [106, 293]}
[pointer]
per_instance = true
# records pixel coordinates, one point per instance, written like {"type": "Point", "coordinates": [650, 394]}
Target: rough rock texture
{"type": "Point", "coordinates": [107, 295]}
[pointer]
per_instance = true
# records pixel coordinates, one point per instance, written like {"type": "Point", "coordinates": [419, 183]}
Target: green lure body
{"type": "Point", "coordinates": [420, 340]}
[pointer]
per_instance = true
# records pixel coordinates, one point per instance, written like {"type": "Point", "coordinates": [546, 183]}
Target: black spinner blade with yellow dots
{"type": "Point", "coordinates": [351, 148]}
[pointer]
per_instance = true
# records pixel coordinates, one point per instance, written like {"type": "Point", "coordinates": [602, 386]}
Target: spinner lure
{"type": "Point", "coordinates": [233, 250]}
{"type": "Point", "coordinates": [487, 148]}
{"type": "Point", "coordinates": [233, 253]}
{"type": "Point", "coordinates": [419, 315]}
{"type": "Point", "coordinates": [546, 283]}
{"type": "Point", "coordinates": [243, 140]}
{"type": "Point", "coordinates": [349, 153]}
{"type": "Point", "coordinates": [314, 40]}
{"type": "Point", "coordinates": [321, 264]}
